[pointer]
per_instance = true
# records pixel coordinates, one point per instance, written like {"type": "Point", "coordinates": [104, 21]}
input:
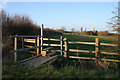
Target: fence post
{"type": "Point", "coordinates": [35, 45]}
{"type": "Point", "coordinates": [66, 50]}
{"type": "Point", "coordinates": [22, 42]}
{"type": "Point", "coordinates": [61, 43]}
{"type": "Point", "coordinates": [96, 47]}
{"type": "Point", "coordinates": [41, 38]}
{"type": "Point", "coordinates": [38, 44]}
{"type": "Point", "coordinates": [15, 48]}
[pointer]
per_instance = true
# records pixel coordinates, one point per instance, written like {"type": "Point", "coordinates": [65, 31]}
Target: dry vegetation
{"type": "Point", "coordinates": [19, 25]}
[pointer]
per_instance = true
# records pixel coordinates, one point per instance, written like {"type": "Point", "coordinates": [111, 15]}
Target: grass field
{"type": "Point", "coordinates": [67, 68]}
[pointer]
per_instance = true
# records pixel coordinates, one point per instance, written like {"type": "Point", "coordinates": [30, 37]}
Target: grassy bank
{"type": "Point", "coordinates": [58, 70]}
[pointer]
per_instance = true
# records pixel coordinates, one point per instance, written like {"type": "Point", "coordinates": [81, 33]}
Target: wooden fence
{"type": "Point", "coordinates": [38, 41]}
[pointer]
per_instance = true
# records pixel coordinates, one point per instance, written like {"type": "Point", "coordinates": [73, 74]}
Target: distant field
{"type": "Point", "coordinates": [88, 38]}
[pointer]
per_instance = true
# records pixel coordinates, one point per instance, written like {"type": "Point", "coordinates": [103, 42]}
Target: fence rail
{"type": "Point", "coordinates": [64, 49]}
{"type": "Point", "coordinates": [74, 50]}
{"type": "Point", "coordinates": [90, 58]}
{"type": "Point", "coordinates": [12, 36]}
{"type": "Point", "coordinates": [81, 43]}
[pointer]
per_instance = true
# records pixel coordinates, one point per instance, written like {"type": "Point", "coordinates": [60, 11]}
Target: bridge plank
{"type": "Point", "coordinates": [38, 60]}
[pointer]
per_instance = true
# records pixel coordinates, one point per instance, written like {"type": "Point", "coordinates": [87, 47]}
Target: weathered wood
{"type": "Point", "coordinates": [110, 60]}
{"type": "Point", "coordinates": [33, 52]}
{"type": "Point", "coordinates": [38, 44]}
{"type": "Point", "coordinates": [89, 58]}
{"type": "Point", "coordinates": [56, 50]}
{"type": "Point", "coordinates": [76, 57]}
{"type": "Point", "coordinates": [30, 40]}
{"type": "Point", "coordinates": [22, 42]}
{"type": "Point", "coordinates": [51, 45]}
{"type": "Point", "coordinates": [66, 49]}
{"type": "Point", "coordinates": [109, 53]}
{"type": "Point", "coordinates": [41, 38]}
{"type": "Point", "coordinates": [96, 47]}
{"type": "Point", "coordinates": [28, 59]}
{"type": "Point", "coordinates": [90, 43]}
{"type": "Point", "coordinates": [48, 48]}
{"type": "Point", "coordinates": [61, 42]}
{"type": "Point", "coordinates": [51, 39]}
{"type": "Point", "coordinates": [74, 50]}
{"type": "Point", "coordinates": [38, 60]}
{"type": "Point", "coordinates": [44, 51]}
{"type": "Point", "coordinates": [107, 44]}
{"type": "Point", "coordinates": [18, 50]}
{"type": "Point", "coordinates": [24, 36]}
{"type": "Point", "coordinates": [15, 48]}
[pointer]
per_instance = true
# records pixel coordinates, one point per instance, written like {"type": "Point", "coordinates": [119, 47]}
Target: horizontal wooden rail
{"type": "Point", "coordinates": [107, 44]}
{"type": "Point", "coordinates": [51, 45]}
{"type": "Point", "coordinates": [30, 41]}
{"type": "Point", "coordinates": [24, 36]}
{"type": "Point", "coordinates": [76, 57]}
{"type": "Point", "coordinates": [89, 58]}
{"type": "Point", "coordinates": [74, 50]}
{"type": "Point", "coordinates": [24, 49]}
{"type": "Point", "coordinates": [51, 39]}
{"type": "Point", "coordinates": [110, 60]}
{"type": "Point", "coordinates": [109, 53]}
{"type": "Point", "coordinates": [81, 43]}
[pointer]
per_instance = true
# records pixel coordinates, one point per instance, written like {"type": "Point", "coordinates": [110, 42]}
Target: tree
{"type": "Point", "coordinates": [81, 29]}
{"type": "Point", "coordinates": [72, 30]}
{"type": "Point", "coordinates": [114, 24]}
{"type": "Point", "coordinates": [85, 30]}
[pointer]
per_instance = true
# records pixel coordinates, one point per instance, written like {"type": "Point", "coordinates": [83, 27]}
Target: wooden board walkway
{"type": "Point", "coordinates": [36, 61]}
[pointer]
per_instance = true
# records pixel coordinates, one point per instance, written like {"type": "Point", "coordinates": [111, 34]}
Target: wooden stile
{"type": "Point", "coordinates": [61, 42]}
{"type": "Point", "coordinates": [41, 38]}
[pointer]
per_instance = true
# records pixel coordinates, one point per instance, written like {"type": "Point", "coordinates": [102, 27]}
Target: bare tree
{"type": "Point", "coordinates": [72, 30]}
{"type": "Point", "coordinates": [63, 28]}
{"type": "Point", "coordinates": [81, 29]}
{"type": "Point", "coordinates": [114, 24]}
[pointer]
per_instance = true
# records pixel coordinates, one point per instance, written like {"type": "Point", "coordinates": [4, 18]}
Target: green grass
{"type": "Point", "coordinates": [64, 67]}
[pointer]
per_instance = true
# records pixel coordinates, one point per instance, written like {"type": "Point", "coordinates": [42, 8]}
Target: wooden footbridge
{"type": "Point", "coordinates": [49, 54]}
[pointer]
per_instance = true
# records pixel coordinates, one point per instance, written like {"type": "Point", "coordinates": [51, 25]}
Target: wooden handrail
{"type": "Point", "coordinates": [18, 50]}
{"type": "Point", "coordinates": [24, 36]}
